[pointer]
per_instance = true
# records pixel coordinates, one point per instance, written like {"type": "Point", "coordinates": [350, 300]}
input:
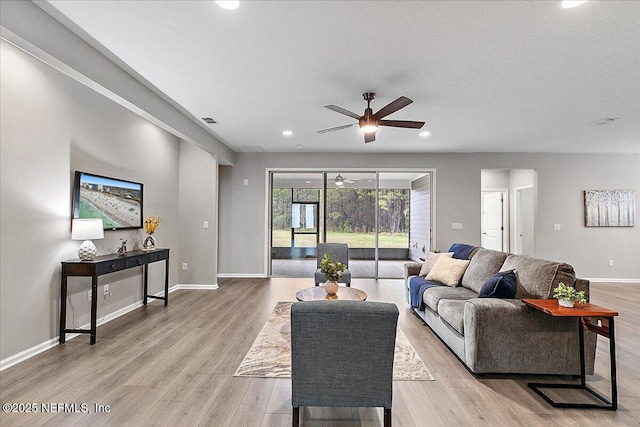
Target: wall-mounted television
{"type": "Point", "coordinates": [116, 201]}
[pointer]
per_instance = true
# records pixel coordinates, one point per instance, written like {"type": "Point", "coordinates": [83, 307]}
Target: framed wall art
{"type": "Point", "coordinates": [609, 208]}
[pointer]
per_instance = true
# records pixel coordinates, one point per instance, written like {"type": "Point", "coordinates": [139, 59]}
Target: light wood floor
{"type": "Point", "coordinates": [173, 367]}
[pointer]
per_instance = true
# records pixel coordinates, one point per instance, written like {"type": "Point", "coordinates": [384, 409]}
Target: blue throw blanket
{"type": "Point", "coordinates": [461, 250]}
{"type": "Point", "coordinates": [417, 286]}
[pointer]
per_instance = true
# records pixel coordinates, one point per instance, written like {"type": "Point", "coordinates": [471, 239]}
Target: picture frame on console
{"type": "Point", "coordinates": [118, 202]}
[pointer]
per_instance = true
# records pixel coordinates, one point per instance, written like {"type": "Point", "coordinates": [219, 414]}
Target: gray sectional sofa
{"type": "Point", "coordinates": [491, 335]}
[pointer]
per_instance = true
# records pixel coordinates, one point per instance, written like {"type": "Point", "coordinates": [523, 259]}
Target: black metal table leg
{"type": "Point", "coordinates": [606, 403]}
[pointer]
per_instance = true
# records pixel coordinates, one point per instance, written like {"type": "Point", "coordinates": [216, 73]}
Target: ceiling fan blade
{"type": "Point", "coordinates": [369, 137]}
{"type": "Point", "coordinates": [401, 124]}
{"type": "Point", "coordinates": [336, 128]}
{"type": "Point", "coordinates": [342, 111]}
{"type": "Point", "coordinates": [392, 107]}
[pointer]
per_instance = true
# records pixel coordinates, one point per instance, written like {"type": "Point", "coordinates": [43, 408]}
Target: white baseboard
{"type": "Point", "coordinates": [197, 286]}
{"type": "Point", "coordinates": [28, 353]}
{"type": "Point", "coordinates": [242, 275]}
{"type": "Point", "coordinates": [599, 279]}
{"type": "Point", "coordinates": [37, 349]}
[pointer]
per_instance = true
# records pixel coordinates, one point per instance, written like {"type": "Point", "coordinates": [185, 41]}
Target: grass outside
{"type": "Point", "coordinates": [282, 238]}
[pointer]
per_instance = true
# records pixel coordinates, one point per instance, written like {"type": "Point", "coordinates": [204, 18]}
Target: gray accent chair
{"type": "Point", "coordinates": [342, 354]}
{"type": "Point", "coordinates": [337, 252]}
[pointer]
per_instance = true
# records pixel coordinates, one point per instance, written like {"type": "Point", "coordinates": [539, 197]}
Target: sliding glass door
{"type": "Point", "coordinates": [368, 210]}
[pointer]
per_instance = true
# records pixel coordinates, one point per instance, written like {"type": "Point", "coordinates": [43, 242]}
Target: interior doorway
{"type": "Point", "coordinates": [494, 215]}
{"type": "Point", "coordinates": [524, 220]}
{"type": "Point", "coordinates": [508, 210]}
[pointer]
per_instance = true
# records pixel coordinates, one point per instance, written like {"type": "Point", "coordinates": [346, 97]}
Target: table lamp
{"type": "Point", "coordinates": [87, 229]}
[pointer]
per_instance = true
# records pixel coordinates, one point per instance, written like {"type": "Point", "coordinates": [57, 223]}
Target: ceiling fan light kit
{"type": "Point", "coordinates": [370, 122]}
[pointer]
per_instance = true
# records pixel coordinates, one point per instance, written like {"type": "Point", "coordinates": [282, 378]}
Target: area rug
{"type": "Point", "coordinates": [270, 354]}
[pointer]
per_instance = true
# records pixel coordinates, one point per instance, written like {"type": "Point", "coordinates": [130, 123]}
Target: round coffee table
{"type": "Point", "coordinates": [318, 293]}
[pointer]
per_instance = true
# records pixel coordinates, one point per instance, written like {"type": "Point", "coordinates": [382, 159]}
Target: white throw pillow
{"type": "Point", "coordinates": [430, 260]}
{"type": "Point", "coordinates": [448, 270]}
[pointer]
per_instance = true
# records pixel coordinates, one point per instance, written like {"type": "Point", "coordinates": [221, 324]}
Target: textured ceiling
{"type": "Point", "coordinates": [486, 76]}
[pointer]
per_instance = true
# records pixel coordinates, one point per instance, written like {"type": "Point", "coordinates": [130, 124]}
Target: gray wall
{"type": "Point", "coordinates": [198, 203]}
{"type": "Point", "coordinates": [562, 178]}
{"type": "Point", "coordinates": [52, 126]}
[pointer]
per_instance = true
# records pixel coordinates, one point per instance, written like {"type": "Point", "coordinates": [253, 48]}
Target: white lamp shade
{"type": "Point", "coordinates": [87, 229]}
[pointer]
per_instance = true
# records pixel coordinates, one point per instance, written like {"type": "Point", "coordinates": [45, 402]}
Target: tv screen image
{"type": "Point", "coordinates": [116, 201]}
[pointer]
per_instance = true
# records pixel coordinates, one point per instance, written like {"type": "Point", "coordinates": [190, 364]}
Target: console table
{"type": "Point", "coordinates": [104, 265]}
{"type": "Point", "coordinates": [592, 318]}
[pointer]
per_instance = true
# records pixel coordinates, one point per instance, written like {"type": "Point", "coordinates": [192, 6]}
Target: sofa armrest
{"type": "Point", "coordinates": [412, 269]}
{"type": "Point", "coordinates": [504, 335]}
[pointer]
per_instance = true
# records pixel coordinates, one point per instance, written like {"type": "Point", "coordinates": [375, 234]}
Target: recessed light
{"type": "Point", "coordinates": [228, 4]}
{"type": "Point", "coordinates": [424, 134]}
{"type": "Point", "coordinates": [568, 4]}
{"type": "Point", "coordinates": [287, 133]}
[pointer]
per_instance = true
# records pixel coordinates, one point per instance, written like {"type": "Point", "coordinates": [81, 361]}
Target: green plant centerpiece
{"type": "Point", "coordinates": [567, 295]}
{"type": "Point", "coordinates": [332, 272]}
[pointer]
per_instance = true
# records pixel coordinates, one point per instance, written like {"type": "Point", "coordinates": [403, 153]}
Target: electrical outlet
{"type": "Point", "coordinates": [184, 266]}
{"type": "Point", "coordinates": [610, 263]}
{"type": "Point", "coordinates": [106, 290]}
{"type": "Point", "coordinates": [205, 224]}
{"type": "Point", "coordinates": [456, 226]}
{"type": "Point", "coordinates": [556, 227]}
{"type": "Point", "coordinates": [89, 295]}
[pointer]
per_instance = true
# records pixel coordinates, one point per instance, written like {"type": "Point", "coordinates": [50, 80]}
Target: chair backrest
{"type": "Point", "coordinates": [337, 252]}
{"type": "Point", "coordinates": [342, 353]}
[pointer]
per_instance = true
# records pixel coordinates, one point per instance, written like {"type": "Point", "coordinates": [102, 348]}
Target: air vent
{"type": "Point", "coordinates": [604, 121]}
{"type": "Point", "coordinates": [249, 149]}
{"type": "Point", "coordinates": [209, 120]}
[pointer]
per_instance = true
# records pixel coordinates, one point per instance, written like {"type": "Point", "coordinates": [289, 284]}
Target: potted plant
{"type": "Point", "coordinates": [332, 272]}
{"type": "Point", "coordinates": [151, 224]}
{"type": "Point", "coordinates": [567, 295]}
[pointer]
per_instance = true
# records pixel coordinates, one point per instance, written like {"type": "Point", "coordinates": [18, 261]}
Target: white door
{"type": "Point", "coordinates": [492, 220]}
{"type": "Point", "coordinates": [524, 221]}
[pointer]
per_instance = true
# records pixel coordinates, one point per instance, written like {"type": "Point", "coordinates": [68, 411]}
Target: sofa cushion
{"type": "Point", "coordinates": [432, 296]}
{"type": "Point", "coordinates": [448, 271]}
{"type": "Point", "coordinates": [503, 284]}
{"type": "Point", "coordinates": [452, 312]}
{"type": "Point", "coordinates": [484, 264]}
{"type": "Point", "coordinates": [537, 277]}
{"type": "Point", "coordinates": [430, 260]}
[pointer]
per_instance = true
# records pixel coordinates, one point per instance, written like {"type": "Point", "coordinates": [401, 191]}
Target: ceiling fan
{"type": "Point", "coordinates": [370, 122]}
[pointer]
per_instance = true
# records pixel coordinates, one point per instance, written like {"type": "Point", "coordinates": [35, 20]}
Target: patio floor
{"type": "Point", "coordinates": [359, 269]}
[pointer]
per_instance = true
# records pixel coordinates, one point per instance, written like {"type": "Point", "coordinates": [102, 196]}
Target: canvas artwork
{"type": "Point", "coordinates": [609, 208]}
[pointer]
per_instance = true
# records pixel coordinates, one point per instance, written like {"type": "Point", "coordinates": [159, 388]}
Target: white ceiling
{"type": "Point", "coordinates": [486, 76]}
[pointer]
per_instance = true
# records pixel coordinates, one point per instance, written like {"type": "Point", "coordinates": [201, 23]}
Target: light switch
{"type": "Point", "coordinates": [205, 224]}
{"type": "Point", "coordinates": [246, 181]}
{"type": "Point", "coordinates": [456, 226]}
{"type": "Point", "coordinates": [556, 227]}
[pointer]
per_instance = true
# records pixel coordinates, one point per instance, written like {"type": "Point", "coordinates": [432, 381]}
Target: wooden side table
{"type": "Point", "coordinates": [593, 318]}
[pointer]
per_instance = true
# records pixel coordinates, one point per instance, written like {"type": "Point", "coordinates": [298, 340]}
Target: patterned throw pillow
{"type": "Point", "coordinates": [430, 260]}
{"type": "Point", "coordinates": [503, 284]}
{"type": "Point", "coordinates": [448, 271]}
